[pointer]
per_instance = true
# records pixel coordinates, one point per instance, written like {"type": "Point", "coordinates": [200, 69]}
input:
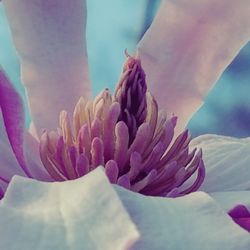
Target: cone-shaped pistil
{"type": "Point", "coordinates": [131, 94]}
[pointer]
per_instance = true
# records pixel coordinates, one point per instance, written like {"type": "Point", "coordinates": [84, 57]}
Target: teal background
{"type": "Point", "coordinates": [114, 25]}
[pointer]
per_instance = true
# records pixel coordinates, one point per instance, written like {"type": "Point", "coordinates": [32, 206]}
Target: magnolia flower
{"type": "Point", "coordinates": [67, 201]}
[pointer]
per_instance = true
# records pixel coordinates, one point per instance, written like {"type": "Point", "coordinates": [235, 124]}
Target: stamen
{"type": "Point", "coordinates": [97, 150]}
{"type": "Point", "coordinates": [82, 165]}
{"type": "Point", "coordinates": [79, 115]}
{"type": "Point", "coordinates": [65, 126]}
{"type": "Point", "coordinates": [112, 171]}
{"type": "Point", "coordinates": [121, 144]}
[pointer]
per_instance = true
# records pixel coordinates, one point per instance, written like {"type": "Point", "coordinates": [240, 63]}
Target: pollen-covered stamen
{"type": "Point", "coordinates": [132, 141]}
{"type": "Point", "coordinates": [46, 153]}
{"type": "Point", "coordinates": [131, 94]}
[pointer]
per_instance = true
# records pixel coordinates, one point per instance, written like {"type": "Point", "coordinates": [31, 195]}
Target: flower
{"type": "Point", "coordinates": [182, 56]}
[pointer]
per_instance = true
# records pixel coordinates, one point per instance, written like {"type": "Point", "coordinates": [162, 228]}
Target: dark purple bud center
{"type": "Point", "coordinates": [131, 94]}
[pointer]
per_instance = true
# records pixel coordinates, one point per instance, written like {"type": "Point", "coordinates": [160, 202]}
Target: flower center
{"type": "Point", "coordinates": [127, 135]}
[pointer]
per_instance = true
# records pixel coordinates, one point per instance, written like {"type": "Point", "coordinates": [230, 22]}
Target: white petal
{"type": "Point", "coordinates": [50, 39]}
{"type": "Point", "coordinates": [81, 214]}
{"type": "Point", "coordinates": [227, 162]}
{"type": "Point", "coordinates": [192, 222]}
{"type": "Point", "coordinates": [188, 46]}
{"type": "Point", "coordinates": [228, 200]}
{"type": "Point", "coordinates": [234, 202]}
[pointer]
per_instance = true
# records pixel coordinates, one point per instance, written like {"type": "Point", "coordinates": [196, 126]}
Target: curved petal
{"type": "Point", "coordinates": [194, 221]}
{"type": "Point", "coordinates": [227, 162]}
{"type": "Point", "coordinates": [8, 162]}
{"type": "Point", "coordinates": [238, 206]}
{"type": "Point", "coordinates": [230, 199]}
{"type": "Point", "coordinates": [82, 214]}
{"type": "Point", "coordinates": [188, 46]}
{"type": "Point", "coordinates": [32, 154]}
{"type": "Point", "coordinates": [18, 149]}
{"type": "Point", "coordinates": [13, 119]}
{"type": "Point", "coordinates": [50, 39]}
{"type": "Point", "coordinates": [241, 215]}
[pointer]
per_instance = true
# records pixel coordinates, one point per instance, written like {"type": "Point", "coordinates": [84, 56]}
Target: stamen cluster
{"type": "Point", "coordinates": [129, 136]}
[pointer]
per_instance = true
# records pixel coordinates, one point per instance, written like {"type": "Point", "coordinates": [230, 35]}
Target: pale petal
{"type": "Point", "coordinates": [229, 199]}
{"type": "Point", "coordinates": [227, 162]}
{"type": "Point", "coordinates": [192, 222]}
{"type": "Point", "coordinates": [237, 204]}
{"type": "Point", "coordinates": [82, 214]}
{"type": "Point", "coordinates": [187, 48]}
{"type": "Point", "coordinates": [50, 39]}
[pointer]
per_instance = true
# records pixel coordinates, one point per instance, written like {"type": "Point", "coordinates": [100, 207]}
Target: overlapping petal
{"type": "Point", "coordinates": [18, 148]}
{"type": "Point", "coordinates": [241, 215]}
{"type": "Point", "coordinates": [81, 214]}
{"type": "Point", "coordinates": [194, 221]}
{"type": "Point", "coordinates": [230, 198]}
{"type": "Point", "coordinates": [187, 48]}
{"type": "Point", "coordinates": [227, 162]}
{"type": "Point", "coordinates": [88, 213]}
{"type": "Point", "coordinates": [237, 203]}
{"type": "Point", "coordinates": [8, 162]}
{"type": "Point", "coordinates": [34, 164]}
{"type": "Point", "coordinates": [50, 39]}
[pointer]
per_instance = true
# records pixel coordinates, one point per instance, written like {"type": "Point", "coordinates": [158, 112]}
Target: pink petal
{"type": "Point", "coordinates": [8, 162]}
{"type": "Point", "coordinates": [18, 149]}
{"type": "Point", "coordinates": [241, 216]}
{"type": "Point", "coordinates": [50, 39]}
{"type": "Point", "coordinates": [13, 119]}
{"type": "Point", "coordinates": [187, 48]}
{"type": "Point", "coordinates": [82, 214]}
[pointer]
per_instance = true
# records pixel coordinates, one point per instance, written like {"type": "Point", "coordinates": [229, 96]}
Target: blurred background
{"type": "Point", "coordinates": [119, 24]}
